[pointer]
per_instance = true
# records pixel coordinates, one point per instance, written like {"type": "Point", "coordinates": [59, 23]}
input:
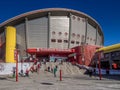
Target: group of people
{"type": "Point", "coordinates": [91, 71]}
{"type": "Point", "coordinates": [52, 70]}
{"type": "Point", "coordinates": [34, 68]}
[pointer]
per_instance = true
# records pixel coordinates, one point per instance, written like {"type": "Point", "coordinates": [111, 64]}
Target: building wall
{"type": "Point", "coordinates": [99, 39]}
{"type": "Point", "coordinates": [77, 35]}
{"type": "Point", "coordinates": [84, 54]}
{"type": "Point", "coordinates": [2, 45]}
{"type": "Point", "coordinates": [21, 39]}
{"type": "Point", "coordinates": [37, 33]}
{"type": "Point", "coordinates": [91, 35]}
{"type": "Point", "coordinates": [59, 31]}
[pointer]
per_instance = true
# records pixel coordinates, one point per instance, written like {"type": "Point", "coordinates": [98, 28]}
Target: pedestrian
{"type": "Point", "coordinates": [55, 60]}
{"type": "Point", "coordinates": [61, 62]}
{"type": "Point", "coordinates": [27, 72]}
{"type": "Point", "coordinates": [44, 61]}
{"type": "Point", "coordinates": [107, 71]}
{"type": "Point", "coordinates": [48, 68]}
{"type": "Point", "coordinates": [14, 72]}
{"type": "Point", "coordinates": [32, 68]}
{"type": "Point", "coordinates": [90, 72]}
{"type": "Point", "coordinates": [51, 70]}
{"type": "Point", "coordinates": [55, 70]}
{"type": "Point", "coordinates": [38, 66]}
{"type": "Point", "coordinates": [21, 73]}
{"type": "Point", "coordinates": [35, 61]}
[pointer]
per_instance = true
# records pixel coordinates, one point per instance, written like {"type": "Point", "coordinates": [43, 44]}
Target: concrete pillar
{"type": "Point", "coordinates": [86, 20]}
{"type": "Point", "coordinates": [26, 31]}
{"type": "Point", "coordinates": [110, 60]}
{"type": "Point", "coordinates": [48, 44]}
{"type": "Point", "coordinates": [70, 21]}
{"type": "Point", "coordinates": [96, 35]}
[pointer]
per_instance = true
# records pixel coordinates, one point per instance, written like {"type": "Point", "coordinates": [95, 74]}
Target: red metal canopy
{"type": "Point", "coordinates": [49, 51]}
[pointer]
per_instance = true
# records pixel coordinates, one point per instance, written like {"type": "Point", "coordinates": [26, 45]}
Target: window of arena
{"type": "Point", "coordinates": [65, 41]}
{"type": "Point", "coordinates": [53, 32]}
{"type": "Point", "coordinates": [77, 42]}
{"type": "Point", "coordinates": [53, 40]}
{"type": "Point", "coordinates": [72, 42]}
{"type": "Point", "coordinates": [59, 41]}
{"type": "Point", "coordinates": [73, 34]}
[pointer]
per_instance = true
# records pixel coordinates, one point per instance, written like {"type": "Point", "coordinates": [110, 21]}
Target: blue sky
{"type": "Point", "coordinates": [105, 12]}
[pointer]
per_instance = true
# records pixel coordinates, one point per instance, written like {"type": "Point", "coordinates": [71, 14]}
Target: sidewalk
{"type": "Point", "coordinates": [46, 81]}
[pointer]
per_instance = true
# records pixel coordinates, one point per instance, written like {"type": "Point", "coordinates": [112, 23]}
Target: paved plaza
{"type": "Point", "coordinates": [46, 81]}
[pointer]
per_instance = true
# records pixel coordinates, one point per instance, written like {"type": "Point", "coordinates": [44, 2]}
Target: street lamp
{"type": "Point", "coordinates": [16, 51]}
{"type": "Point", "coordinates": [100, 55]}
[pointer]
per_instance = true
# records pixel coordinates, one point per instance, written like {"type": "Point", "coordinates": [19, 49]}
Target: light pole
{"type": "Point", "coordinates": [99, 64]}
{"type": "Point", "coordinates": [16, 58]}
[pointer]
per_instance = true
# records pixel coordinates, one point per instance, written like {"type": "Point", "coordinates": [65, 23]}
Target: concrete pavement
{"type": "Point", "coordinates": [46, 81]}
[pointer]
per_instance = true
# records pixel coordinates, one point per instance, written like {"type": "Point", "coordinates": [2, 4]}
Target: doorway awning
{"type": "Point", "coordinates": [49, 51]}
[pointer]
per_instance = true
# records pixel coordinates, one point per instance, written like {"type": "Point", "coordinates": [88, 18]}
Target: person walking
{"type": "Point", "coordinates": [14, 70]}
{"type": "Point", "coordinates": [55, 70]}
{"type": "Point", "coordinates": [38, 67]}
{"type": "Point", "coordinates": [27, 72]}
{"type": "Point", "coordinates": [90, 72]}
{"type": "Point", "coordinates": [107, 71]}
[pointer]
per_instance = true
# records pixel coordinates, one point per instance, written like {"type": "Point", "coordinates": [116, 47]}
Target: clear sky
{"type": "Point", "coordinates": [105, 12]}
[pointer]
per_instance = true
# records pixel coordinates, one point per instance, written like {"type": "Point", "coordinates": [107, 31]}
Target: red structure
{"type": "Point", "coordinates": [16, 58]}
{"type": "Point", "coordinates": [50, 52]}
{"type": "Point", "coordinates": [60, 75]}
{"type": "Point", "coordinates": [84, 54]}
{"type": "Point", "coordinates": [80, 54]}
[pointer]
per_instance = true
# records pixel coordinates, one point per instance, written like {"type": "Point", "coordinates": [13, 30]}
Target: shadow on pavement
{"type": "Point", "coordinates": [81, 77]}
{"type": "Point", "coordinates": [7, 79]}
{"type": "Point", "coordinates": [111, 77]}
{"type": "Point", "coordinates": [3, 78]}
{"type": "Point", "coordinates": [44, 83]}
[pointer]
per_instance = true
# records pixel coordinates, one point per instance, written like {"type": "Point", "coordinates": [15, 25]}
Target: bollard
{"type": "Point", "coordinates": [60, 75]}
{"type": "Point", "coordinates": [99, 57]}
{"type": "Point", "coordinates": [16, 58]}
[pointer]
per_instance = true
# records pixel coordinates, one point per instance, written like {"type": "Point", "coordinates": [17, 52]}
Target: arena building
{"type": "Point", "coordinates": [49, 33]}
